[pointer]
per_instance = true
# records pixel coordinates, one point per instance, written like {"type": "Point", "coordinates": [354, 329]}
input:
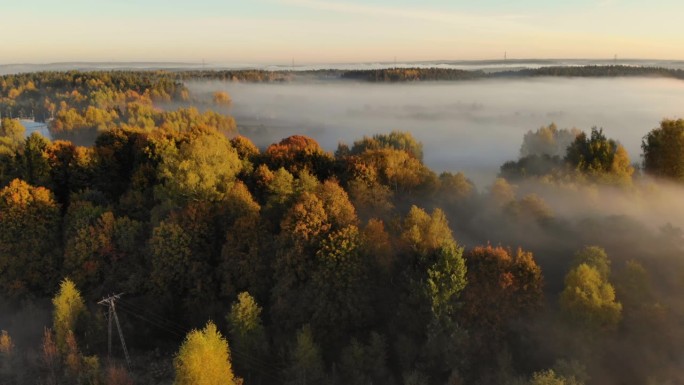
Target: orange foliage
{"type": "Point", "coordinates": [502, 286]}
{"type": "Point", "coordinates": [297, 153]}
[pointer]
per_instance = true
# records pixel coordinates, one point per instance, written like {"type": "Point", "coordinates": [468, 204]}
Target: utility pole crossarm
{"type": "Point", "coordinates": [110, 303]}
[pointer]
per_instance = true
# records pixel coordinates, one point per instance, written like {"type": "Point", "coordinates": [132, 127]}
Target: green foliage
{"type": "Point", "coordinates": [436, 270]}
{"type": "Point", "coordinates": [365, 363]}
{"type": "Point", "coordinates": [69, 307]}
{"type": "Point", "coordinates": [8, 163]}
{"type": "Point", "coordinates": [200, 170]}
{"type": "Point", "coordinates": [204, 359]}
{"type": "Point", "coordinates": [244, 254]}
{"type": "Point", "coordinates": [446, 279]}
{"type": "Point", "coordinates": [532, 166]}
{"type": "Point", "coordinates": [633, 285]}
{"type": "Point", "coordinates": [340, 285]}
{"type": "Point", "coordinates": [433, 276]}
{"type": "Point", "coordinates": [33, 160]}
{"type": "Point", "coordinates": [70, 169]}
{"type": "Point", "coordinates": [599, 157]}
{"type": "Point", "coordinates": [247, 335]}
{"type": "Point", "coordinates": [117, 154]}
{"type": "Point", "coordinates": [305, 364]}
{"type": "Point", "coordinates": [279, 189]}
{"type": "Point", "coordinates": [411, 74]}
{"type": "Point", "coordinates": [589, 299]}
{"type": "Point", "coordinates": [171, 257]}
{"type": "Point", "coordinates": [663, 149]}
{"type": "Point", "coordinates": [595, 257]}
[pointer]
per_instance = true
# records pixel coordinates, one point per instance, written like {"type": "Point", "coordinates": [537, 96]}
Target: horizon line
{"type": "Point", "coordinates": [446, 61]}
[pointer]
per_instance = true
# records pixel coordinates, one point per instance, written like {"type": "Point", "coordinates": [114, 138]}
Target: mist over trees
{"type": "Point", "coordinates": [290, 264]}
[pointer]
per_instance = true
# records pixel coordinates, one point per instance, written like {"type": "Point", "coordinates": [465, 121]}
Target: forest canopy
{"type": "Point", "coordinates": [291, 264]}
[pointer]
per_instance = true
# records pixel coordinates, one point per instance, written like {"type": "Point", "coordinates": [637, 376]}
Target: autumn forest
{"type": "Point", "coordinates": [295, 264]}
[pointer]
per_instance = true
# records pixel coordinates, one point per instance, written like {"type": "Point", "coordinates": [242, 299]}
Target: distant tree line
{"type": "Point", "coordinates": [603, 71]}
{"type": "Point", "coordinates": [411, 74]}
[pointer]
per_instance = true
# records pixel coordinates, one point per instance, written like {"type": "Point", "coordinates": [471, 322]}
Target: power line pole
{"type": "Point", "coordinates": [109, 334]}
{"type": "Point", "coordinates": [110, 303]}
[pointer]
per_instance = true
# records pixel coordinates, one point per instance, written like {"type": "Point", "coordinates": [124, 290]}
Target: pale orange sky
{"type": "Point", "coordinates": [318, 31]}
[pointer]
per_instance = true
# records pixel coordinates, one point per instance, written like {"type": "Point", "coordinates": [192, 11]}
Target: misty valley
{"type": "Point", "coordinates": [399, 226]}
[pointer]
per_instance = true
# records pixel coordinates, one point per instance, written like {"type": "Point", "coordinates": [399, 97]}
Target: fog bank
{"type": "Point", "coordinates": [469, 126]}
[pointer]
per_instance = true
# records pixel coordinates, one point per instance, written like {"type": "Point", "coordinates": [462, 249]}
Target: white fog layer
{"type": "Point", "coordinates": [472, 126]}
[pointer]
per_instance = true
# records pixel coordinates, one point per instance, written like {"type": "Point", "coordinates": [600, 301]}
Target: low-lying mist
{"type": "Point", "coordinates": [476, 126]}
{"type": "Point", "coordinates": [469, 126]}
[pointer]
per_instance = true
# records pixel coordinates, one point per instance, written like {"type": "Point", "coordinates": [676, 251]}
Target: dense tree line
{"type": "Point", "coordinates": [411, 74]}
{"type": "Point", "coordinates": [603, 71]}
{"type": "Point", "coordinates": [294, 265]}
{"type": "Point", "coordinates": [43, 95]}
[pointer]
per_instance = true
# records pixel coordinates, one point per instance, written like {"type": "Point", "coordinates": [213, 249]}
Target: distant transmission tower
{"type": "Point", "coordinates": [110, 303]}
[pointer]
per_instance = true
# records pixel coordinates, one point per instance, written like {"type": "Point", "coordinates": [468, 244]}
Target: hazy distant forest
{"type": "Point", "coordinates": [294, 265]}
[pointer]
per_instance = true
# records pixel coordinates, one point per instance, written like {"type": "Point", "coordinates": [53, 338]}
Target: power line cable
{"type": "Point", "coordinates": [174, 328]}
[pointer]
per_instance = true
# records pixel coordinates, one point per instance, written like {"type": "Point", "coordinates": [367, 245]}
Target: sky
{"type": "Point", "coordinates": [336, 31]}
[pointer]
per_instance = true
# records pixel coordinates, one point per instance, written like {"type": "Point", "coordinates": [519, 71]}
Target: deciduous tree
{"type": "Point", "coordinates": [29, 240]}
{"type": "Point", "coordinates": [305, 362]}
{"type": "Point", "coordinates": [247, 335]}
{"type": "Point", "coordinates": [69, 307]}
{"type": "Point", "coordinates": [663, 149]}
{"type": "Point", "coordinates": [589, 299]}
{"type": "Point", "coordinates": [204, 359]}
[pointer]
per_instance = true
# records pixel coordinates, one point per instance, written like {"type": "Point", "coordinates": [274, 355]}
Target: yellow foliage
{"type": "Point", "coordinates": [6, 344]}
{"type": "Point", "coordinates": [423, 232]}
{"type": "Point", "coordinates": [68, 308]}
{"type": "Point", "coordinates": [204, 359]}
{"type": "Point", "coordinates": [589, 299]}
{"type": "Point", "coordinates": [222, 98]}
